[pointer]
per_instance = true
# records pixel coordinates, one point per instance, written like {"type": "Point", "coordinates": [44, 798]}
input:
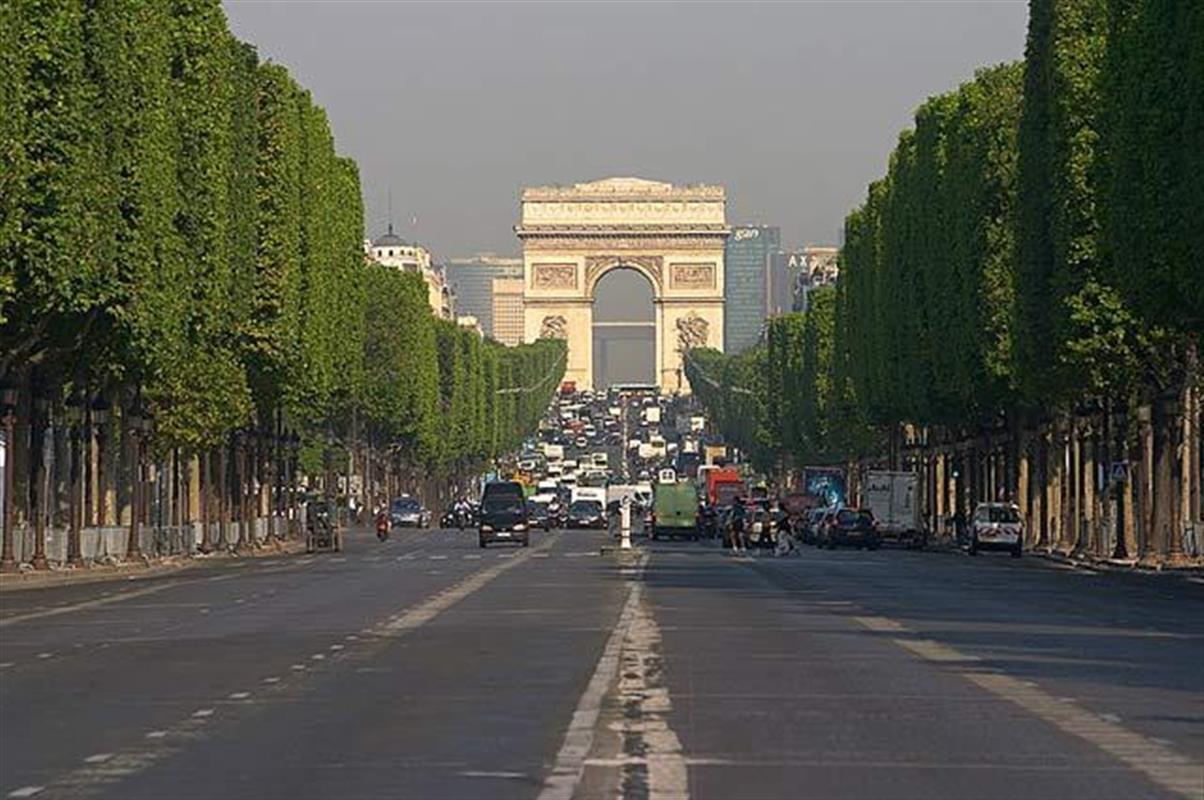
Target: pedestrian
{"type": "Point", "coordinates": [736, 525]}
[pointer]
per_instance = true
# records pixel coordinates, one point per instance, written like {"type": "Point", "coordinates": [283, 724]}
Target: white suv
{"type": "Point", "coordinates": [997, 526]}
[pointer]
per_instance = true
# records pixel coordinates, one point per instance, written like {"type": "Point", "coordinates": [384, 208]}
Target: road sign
{"type": "Point", "coordinates": [1119, 472]}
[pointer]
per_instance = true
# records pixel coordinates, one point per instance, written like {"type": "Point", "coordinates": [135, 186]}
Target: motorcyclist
{"type": "Point", "coordinates": [382, 525]}
{"type": "Point", "coordinates": [462, 511]}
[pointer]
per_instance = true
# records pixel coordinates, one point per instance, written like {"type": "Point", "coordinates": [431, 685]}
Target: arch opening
{"type": "Point", "coordinates": [624, 328]}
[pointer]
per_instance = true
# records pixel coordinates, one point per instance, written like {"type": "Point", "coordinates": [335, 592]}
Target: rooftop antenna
{"type": "Point", "coordinates": [390, 212]}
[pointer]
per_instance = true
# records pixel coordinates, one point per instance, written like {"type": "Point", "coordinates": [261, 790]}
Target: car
{"type": "Point", "coordinates": [811, 524]}
{"type": "Point", "coordinates": [996, 526]}
{"type": "Point", "coordinates": [503, 516]}
{"type": "Point", "coordinates": [407, 512]}
{"type": "Point", "coordinates": [849, 526]}
{"type": "Point", "coordinates": [586, 514]}
{"type": "Point", "coordinates": [539, 515]}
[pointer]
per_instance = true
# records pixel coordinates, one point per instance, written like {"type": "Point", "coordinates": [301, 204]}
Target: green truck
{"type": "Point", "coordinates": [675, 510]}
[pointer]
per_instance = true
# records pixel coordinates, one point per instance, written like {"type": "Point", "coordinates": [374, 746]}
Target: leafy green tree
{"type": "Point", "coordinates": [58, 263]}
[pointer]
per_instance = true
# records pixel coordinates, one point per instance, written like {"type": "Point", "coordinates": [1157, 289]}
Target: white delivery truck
{"type": "Point", "coordinates": [652, 415]}
{"type": "Point", "coordinates": [893, 498]}
{"type": "Point", "coordinates": [588, 493]}
{"type": "Point", "coordinates": [553, 452]}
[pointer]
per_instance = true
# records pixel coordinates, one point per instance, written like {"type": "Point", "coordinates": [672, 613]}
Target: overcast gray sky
{"type": "Point", "coordinates": [454, 106]}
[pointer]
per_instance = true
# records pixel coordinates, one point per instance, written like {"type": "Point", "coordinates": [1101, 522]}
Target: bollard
{"type": "Point", "coordinates": [625, 523]}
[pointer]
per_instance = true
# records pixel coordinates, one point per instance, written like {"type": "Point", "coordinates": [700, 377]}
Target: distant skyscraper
{"type": "Point", "coordinates": [746, 284]}
{"type": "Point", "coordinates": [508, 310]}
{"type": "Point", "coordinates": [472, 281]}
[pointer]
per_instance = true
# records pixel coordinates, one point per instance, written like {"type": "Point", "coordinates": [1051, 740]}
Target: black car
{"type": "Point", "coordinates": [503, 516]}
{"type": "Point", "coordinates": [852, 527]}
{"type": "Point", "coordinates": [539, 515]}
{"type": "Point", "coordinates": [586, 514]}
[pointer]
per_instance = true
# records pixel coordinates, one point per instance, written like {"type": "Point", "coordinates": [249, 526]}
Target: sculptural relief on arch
{"type": "Point", "coordinates": [673, 235]}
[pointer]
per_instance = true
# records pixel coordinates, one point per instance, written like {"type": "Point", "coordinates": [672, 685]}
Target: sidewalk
{"type": "Point", "coordinates": [59, 575]}
{"type": "Point", "coordinates": [1193, 568]}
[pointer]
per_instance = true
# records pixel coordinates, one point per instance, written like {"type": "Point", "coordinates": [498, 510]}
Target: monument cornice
{"type": "Point", "coordinates": [623, 189]}
{"type": "Point", "coordinates": [524, 231]}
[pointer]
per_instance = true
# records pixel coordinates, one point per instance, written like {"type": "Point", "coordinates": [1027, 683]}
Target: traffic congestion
{"type": "Point", "coordinates": [598, 453]}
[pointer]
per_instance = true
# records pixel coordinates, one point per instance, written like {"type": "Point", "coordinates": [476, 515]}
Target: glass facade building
{"type": "Point", "coordinates": [746, 279]}
{"type": "Point", "coordinates": [472, 281]}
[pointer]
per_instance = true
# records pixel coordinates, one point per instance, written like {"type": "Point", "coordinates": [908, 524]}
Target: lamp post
{"type": "Point", "coordinates": [240, 438]}
{"type": "Point", "coordinates": [74, 416]}
{"type": "Point", "coordinates": [133, 545]}
{"type": "Point", "coordinates": [100, 421]}
{"type": "Point", "coordinates": [41, 504]}
{"type": "Point", "coordinates": [294, 446]}
{"type": "Point", "coordinates": [8, 406]}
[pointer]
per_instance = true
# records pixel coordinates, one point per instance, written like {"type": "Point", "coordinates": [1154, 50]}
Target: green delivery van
{"type": "Point", "coordinates": [675, 510]}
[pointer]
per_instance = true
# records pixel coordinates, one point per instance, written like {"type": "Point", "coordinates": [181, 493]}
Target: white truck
{"type": "Point", "coordinates": [553, 452]}
{"type": "Point", "coordinates": [652, 415]}
{"type": "Point", "coordinates": [588, 493]}
{"type": "Point", "coordinates": [893, 498]}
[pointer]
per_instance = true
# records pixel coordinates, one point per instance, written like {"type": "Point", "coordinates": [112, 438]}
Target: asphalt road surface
{"type": "Point", "coordinates": [427, 668]}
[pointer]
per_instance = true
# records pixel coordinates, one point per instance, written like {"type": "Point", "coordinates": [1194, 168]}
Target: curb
{"type": "Point", "coordinates": [1086, 563]}
{"type": "Point", "coordinates": [147, 568]}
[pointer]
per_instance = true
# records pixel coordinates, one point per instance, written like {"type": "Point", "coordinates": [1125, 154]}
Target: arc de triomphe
{"type": "Point", "coordinates": [673, 235]}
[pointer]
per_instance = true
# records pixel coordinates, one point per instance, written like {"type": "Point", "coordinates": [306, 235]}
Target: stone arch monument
{"type": "Point", "coordinates": [673, 235]}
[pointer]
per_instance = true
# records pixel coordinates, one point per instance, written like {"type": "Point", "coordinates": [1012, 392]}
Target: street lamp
{"type": "Point", "coordinates": [74, 416]}
{"type": "Point", "coordinates": [8, 406]}
{"type": "Point", "coordinates": [41, 507]}
{"type": "Point", "coordinates": [134, 428]}
{"type": "Point", "coordinates": [100, 419]}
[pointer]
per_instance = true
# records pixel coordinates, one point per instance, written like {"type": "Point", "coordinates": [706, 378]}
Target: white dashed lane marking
{"type": "Point", "coordinates": [95, 773]}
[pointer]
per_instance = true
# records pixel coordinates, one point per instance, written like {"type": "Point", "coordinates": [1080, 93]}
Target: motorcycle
{"type": "Point", "coordinates": [382, 527]}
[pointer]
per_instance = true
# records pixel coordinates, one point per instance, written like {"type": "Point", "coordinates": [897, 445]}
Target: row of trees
{"type": "Point", "coordinates": [1022, 293]}
{"type": "Point", "coordinates": [180, 242]}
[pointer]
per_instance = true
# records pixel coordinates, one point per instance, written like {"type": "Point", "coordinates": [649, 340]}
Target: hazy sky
{"type": "Point", "coordinates": [454, 106]}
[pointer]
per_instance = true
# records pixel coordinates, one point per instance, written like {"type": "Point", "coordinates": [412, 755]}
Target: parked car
{"type": "Point", "coordinates": [407, 512]}
{"type": "Point", "coordinates": [997, 526]}
{"type": "Point", "coordinates": [850, 526]}
{"type": "Point", "coordinates": [503, 516]}
{"type": "Point", "coordinates": [586, 514]}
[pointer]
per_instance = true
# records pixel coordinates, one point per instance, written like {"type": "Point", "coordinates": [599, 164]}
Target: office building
{"type": "Point", "coordinates": [820, 267]}
{"type": "Point", "coordinates": [746, 291]}
{"type": "Point", "coordinates": [508, 310]}
{"type": "Point", "coordinates": [471, 279]}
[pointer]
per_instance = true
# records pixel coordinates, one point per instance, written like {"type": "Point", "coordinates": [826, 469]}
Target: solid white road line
{"type": "Point", "coordinates": [562, 782]}
{"type": "Point", "coordinates": [26, 791]}
{"type": "Point", "coordinates": [646, 702]}
{"type": "Point", "coordinates": [1161, 764]}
